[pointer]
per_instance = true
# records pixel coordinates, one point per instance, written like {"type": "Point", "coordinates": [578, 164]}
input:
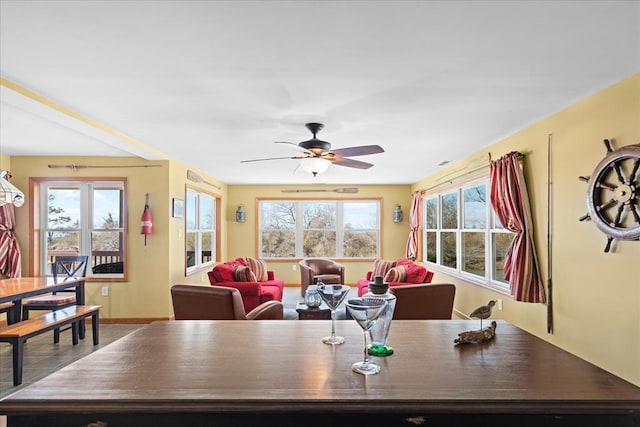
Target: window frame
{"type": "Point", "coordinates": [491, 227]}
{"type": "Point", "coordinates": [40, 218]}
{"type": "Point", "coordinates": [200, 265]}
{"type": "Point", "coordinates": [299, 226]}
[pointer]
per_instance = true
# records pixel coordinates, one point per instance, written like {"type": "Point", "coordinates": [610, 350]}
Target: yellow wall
{"type": "Point", "coordinates": [242, 238]}
{"type": "Point", "coordinates": [152, 268]}
{"type": "Point", "coordinates": [596, 295]}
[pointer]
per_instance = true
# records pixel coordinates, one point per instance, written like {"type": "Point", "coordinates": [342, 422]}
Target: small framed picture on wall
{"type": "Point", "coordinates": [177, 210]}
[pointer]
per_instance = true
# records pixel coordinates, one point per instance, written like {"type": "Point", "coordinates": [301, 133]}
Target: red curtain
{"type": "Point", "coordinates": [9, 249]}
{"type": "Point", "coordinates": [510, 202]}
{"type": "Point", "coordinates": [414, 223]}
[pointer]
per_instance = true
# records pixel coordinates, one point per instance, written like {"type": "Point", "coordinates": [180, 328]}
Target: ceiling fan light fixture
{"type": "Point", "coordinates": [314, 165]}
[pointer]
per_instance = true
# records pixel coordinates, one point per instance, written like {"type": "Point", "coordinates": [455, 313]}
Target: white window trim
{"type": "Point", "coordinates": [199, 265]}
{"type": "Point", "coordinates": [86, 227]}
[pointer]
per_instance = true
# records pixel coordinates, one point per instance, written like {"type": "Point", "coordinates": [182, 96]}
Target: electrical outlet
{"type": "Point", "coordinates": [105, 291]}
{"type": "Point", "coordinates": [499, 304]}
{"type": "Point", "coordinates": [293, 267]}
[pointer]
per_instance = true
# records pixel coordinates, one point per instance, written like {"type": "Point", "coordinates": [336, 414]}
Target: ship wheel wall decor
{"type": "Point", "coordinates": [613, 196]}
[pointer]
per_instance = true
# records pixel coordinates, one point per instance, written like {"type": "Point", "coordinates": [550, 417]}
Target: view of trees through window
{"type": "Point", "coordinates": [331, 228]}
{"type": "Point", "coordinates": [462, 233]}
{"type": "Point", "coordinates": [84, 218]}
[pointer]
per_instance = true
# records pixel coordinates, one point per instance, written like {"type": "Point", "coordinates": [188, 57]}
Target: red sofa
{"type": "Point", "coordinates": [416, 274]}
{"type": "Point", "coordinates": [253, 293]}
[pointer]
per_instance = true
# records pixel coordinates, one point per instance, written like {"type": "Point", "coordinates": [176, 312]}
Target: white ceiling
{"type": "Point", "coordinates": [211, 83]}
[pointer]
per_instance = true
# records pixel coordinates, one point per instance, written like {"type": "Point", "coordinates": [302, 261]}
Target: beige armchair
{"type": "Point", "coordinates": [195, 302]}
{"type": "Point", "coordinates": [312, 269]}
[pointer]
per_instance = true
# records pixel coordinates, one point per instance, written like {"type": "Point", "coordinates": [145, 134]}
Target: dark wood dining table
{"type": "Point", "coordinates": [16, 289]}
{"type": "Point", "coordinates": [280, 373]}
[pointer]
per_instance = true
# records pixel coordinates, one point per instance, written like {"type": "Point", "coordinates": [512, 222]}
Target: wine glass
{"type": "Point", "coordinates": [365, 311]}
{"type": "Point", "coordinates": [333, 295]}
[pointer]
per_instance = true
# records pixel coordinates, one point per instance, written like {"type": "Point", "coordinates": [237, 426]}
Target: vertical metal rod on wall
{"type": "Point", "coordinates": [549, 262]}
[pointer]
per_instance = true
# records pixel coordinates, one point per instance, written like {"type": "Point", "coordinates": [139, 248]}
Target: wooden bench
{"type": "Point", "coordinates": [18, 333]}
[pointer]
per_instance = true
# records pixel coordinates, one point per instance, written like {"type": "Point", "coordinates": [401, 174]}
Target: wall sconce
{"type": "Point", "coordinates": [397, 213]}
{"type": "Point", "coordinates": [8, 192]}
{"type": "Point", "coordinates": [240, 215]}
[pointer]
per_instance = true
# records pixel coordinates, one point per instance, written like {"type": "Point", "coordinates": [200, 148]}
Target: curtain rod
{"type": "Point", "coordinates": [76, 167]}
{"type": "Point", "coordinates": [469, 172]}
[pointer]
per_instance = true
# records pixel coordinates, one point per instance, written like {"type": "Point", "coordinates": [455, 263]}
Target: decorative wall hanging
{"type": "Point", "coordinates": [346, 190]}
{"type": "Point", "coordinates": [613, 196]}
{"type": "Point", "coordinates": [146, 222]}
{"type": "Point", "coordinates": [194, 177]}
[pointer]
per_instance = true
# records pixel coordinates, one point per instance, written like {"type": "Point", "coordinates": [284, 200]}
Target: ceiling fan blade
{"type": "Point", "coordinates": [297, 146]}
{"type": "Point", "coordinates": [272, 158]}
{"type": "Point", "coordinates": [350, 163]}
{"type": "Point", "coordinates": [362, 150]}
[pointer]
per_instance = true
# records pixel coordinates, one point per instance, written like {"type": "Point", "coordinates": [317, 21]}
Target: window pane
{"type": "Point", "coordinates": [319, 243]}
{"type": "Point", "coordinates": [206, 212]}
{"type": "Point", "coordinates": [475, 207]}
{"type": "Point", "coordinates": [432, 212]}
{"type": "Point", "coordinates": [63, 208]}
{"type": "Point", "coordinates": [360, 229]}
{"type": "Point", "coordinates": [207, 247]}
{"type": "Point", "coordinates": [61, 243]}
{"type": "Point", "coordinates": [450, 211]}
{"type": "Point", "coordinates": [448, 249]}
{"type": "Point", "coordinates": [190, 242]}
{"type": "Point", "coordinates": [278, 244]}
{"type": "Point", "coordinates": [318, 215]}
{"type": "Point", "coordinates": [106, 208]}
{"type": "Point", "coordinates": [361, 215]}
{"type": "Point", "coordinates": [360, 244]}
{"type": "Point", "coordinates": [106, 254]}
{"type": "Point", "coordinates": [190, 210]}
{"type": "Point", "coordinates": [431, 246]}
{"type": "Point", "coordinates": [501, 243]}
{"type": "Point", "coordinates": [473, 260]}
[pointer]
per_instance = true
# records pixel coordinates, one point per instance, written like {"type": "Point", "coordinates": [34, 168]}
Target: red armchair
{"type": "Point", "coordinates": [253, 293]}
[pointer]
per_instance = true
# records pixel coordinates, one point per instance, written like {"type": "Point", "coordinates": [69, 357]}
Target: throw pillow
{"type": "Point", "coordinates": [415, 273]}
{"type": "Point", "coordinates": [396, 274]}
{"type": "Point", "coordinates": [403, 261]}
{"type": "Point", "coordinates": [380, 267]}
{"type": "Point", "coordinates": [224, 272]}
{"type": "Point", "coordinates": [242, 273]}
{"type": "Point", "coordinates": [258, 267]}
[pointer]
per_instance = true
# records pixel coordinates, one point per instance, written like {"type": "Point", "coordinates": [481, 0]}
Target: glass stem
{"type": "Point", "coordinates": [366, 353]}
{"type": "Point", "coordinates": [333, 323]}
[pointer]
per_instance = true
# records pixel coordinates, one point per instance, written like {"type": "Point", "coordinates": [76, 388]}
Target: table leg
{"type": "Point", "coordinates": [80, 301]}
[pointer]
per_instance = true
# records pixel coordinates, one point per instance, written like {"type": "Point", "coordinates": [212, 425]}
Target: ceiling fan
{"type": "Point", "coordinates": [317, 155]}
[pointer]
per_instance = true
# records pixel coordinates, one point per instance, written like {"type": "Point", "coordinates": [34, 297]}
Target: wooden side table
{"type": "Point", "coordinates": [319, 313]}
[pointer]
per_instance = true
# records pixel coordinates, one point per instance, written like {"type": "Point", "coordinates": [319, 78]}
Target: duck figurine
{"type": "Point", "coordinates": [483, 312]}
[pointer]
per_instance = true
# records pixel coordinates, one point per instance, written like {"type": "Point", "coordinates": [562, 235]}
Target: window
{"type": "Point", "coordinates": [201, 240]}
{"type": "Point", "coordinates": [319, 228]}
{"type": "Point", "coordinates": [84, 218]}
{"type": "Point", "coordinates": [462, 235]}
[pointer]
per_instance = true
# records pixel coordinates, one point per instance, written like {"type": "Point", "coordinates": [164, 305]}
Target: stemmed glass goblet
{"type": "Point", "coordinates": [365, 311]}
{"type": "Point", "coordinates": [333, 295]}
